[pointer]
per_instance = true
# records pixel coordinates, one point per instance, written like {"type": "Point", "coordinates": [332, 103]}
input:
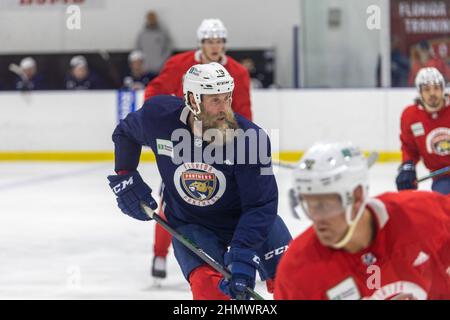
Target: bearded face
{"type": "Point", "coordinates": [219, 129]}
{"type": "Point", "coordinates": [217, 118]}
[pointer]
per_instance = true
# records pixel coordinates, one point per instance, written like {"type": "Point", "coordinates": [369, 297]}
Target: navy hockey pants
{"type": "Point", "coordinates": [270, 251]}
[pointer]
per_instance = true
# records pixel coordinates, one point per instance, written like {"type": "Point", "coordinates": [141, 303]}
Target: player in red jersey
{"type": "Point", "coordinates": [393, 246]}
{"type": "Point", "coordinates": [425, 132]}
{"type": "Point", "coordinates": [212, 36]}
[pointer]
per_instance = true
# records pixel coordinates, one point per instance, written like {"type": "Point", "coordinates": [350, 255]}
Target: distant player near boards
{"type": "Point", "coordinates": [393, 246]}
{"type": "Point", "coordinates": [425, 132]}
{"type": "Point", "coordinates": [218, 190]}
{"type": "Point", "coordinates": [212, 37]}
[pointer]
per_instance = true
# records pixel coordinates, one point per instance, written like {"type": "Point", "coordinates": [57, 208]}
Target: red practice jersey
{"type": "Point", "coordinates": [410, 254]}
{"type": "Point", "coordinates": [170, 80]}
{"type": "Point", "coordinates": [426, 136]}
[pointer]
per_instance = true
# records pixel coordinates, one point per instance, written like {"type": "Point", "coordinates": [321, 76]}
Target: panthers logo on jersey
{"type": "Point", "coordinates": [438, 141]}
{"type": "Point", "coordinates": [199, 184]}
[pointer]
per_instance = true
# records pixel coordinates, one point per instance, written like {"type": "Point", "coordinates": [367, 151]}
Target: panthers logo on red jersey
{"type": "Point", "coordinates": [438, 141]}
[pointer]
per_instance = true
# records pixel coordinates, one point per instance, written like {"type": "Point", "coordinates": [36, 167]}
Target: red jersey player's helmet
{"type": "Point", "coordinates": [211, 29]}
{"type": "Point", "coordinates": [210, 78]}
{"type": "Point", "coordinates": [427, 76]}
{"type": "Point", "coordinates": [333, 168]}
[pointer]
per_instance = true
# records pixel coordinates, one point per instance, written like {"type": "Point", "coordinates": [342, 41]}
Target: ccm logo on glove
{"type": "Point", "coordinates": [121, 186]}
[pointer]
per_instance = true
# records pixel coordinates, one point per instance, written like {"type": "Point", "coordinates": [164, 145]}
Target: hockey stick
{"type": "Point", "coordinates": [194, 248]}
{"type": "Point", "coordinates": [434, 174]}
{"type": "Point", "coordinates": [371, 159]}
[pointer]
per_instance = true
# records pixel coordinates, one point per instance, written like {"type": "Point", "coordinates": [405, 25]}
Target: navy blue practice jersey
{"type": "Point", "coordinates": [233, 194]}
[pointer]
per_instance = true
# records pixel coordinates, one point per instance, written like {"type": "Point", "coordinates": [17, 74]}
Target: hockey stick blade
{"type": "Point", "coordinates": [194, 248]}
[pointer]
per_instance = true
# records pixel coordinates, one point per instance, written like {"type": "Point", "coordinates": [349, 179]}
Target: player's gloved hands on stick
{"type": "Point", "coordinates": [130, 190]}
{"type": "Point", "coordinates": [406, 178]}
{"type": "Point", "coordinates": [243, 264]}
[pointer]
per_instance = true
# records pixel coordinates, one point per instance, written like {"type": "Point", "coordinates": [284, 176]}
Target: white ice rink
{"type": "Point", "coordinates": [62, 236]}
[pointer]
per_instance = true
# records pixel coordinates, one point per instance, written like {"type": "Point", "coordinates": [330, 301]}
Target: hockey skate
{"type": "Point", "coordinates": [158, 270]}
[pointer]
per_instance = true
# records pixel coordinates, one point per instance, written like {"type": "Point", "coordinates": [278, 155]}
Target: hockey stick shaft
{"type": "Point", "coordinates": [434, 174]}
{"type": "Point", "coordinates": [194, 248]}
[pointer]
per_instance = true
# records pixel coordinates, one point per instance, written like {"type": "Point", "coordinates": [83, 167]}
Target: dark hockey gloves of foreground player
{"type": "Point", "coordinates": [130, 190]}
{"type": "Point", "coordinates": [243, 264]}
{"type": "Point", "coordinates": [406, 178]}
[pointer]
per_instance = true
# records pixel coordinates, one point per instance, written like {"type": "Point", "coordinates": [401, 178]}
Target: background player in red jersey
{"type": "Point", "coordinates": [212, 37]}
{"type": "Point", "coordinates": [425, 132]}
{"type": "Point", "coordinates": [393, 246]}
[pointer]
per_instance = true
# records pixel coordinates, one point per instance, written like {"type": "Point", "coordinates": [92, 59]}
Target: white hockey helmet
{"type": "Point", "coordinates": [427, 76]}
{"type": "Point", "coordinates": [333, 168]}
{"type": "Point", "coordinates": [211, 29]}
{"type": "Point", "coordinates": [77, 61]}
{"type": "Point", "coordinates": [136, 55]}
{"type": "Point", "coordinates": [27, 63]}
{"type": "Point", "coordinates": [209, 78]}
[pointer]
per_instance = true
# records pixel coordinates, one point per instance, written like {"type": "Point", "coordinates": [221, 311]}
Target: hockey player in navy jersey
{"type": "Point", "coordinates": [219, 190]}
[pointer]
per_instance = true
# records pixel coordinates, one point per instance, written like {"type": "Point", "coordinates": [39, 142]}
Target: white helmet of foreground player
{"type": "Point", "coordinates": [211, 29]}
{"type": "Point", "coordinates": [333, 168]}
{"type": "Point", "coordinates": [210, 78]}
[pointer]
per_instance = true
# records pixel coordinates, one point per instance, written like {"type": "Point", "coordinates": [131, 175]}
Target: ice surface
{"type": "Point", "coordinates": [62, 236]}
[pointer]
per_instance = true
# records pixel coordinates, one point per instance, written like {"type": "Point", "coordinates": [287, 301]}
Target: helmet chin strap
{"type": "Point", "coordinates": [196, 112]}
{"type": "Point", "coordinates": [197, 128]}
{"type": "Point", "coordinates": [352, 226]}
